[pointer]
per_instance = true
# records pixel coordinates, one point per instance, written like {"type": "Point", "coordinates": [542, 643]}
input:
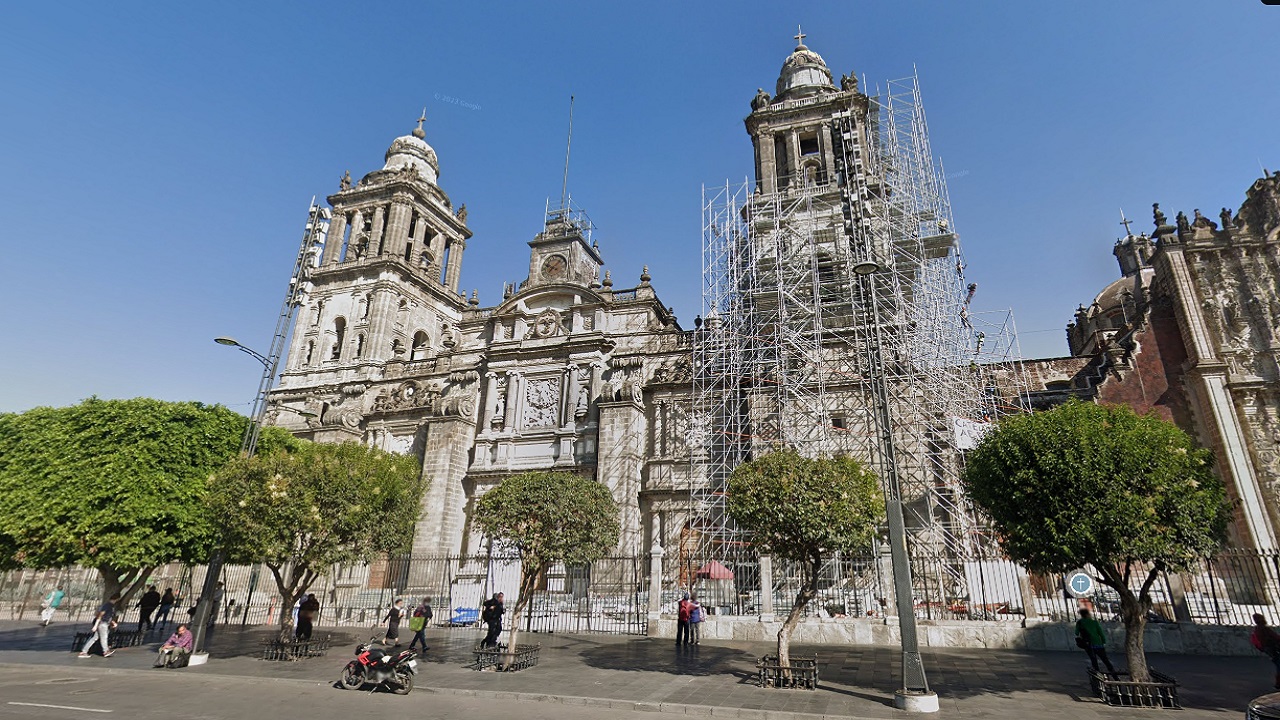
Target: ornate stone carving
{"type": "Point", "coordinates": [549, 323]}
{"type": "Point", "coordinates": [542, 398]}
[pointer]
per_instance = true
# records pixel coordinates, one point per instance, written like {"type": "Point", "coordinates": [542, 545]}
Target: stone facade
{"type": "Point", "coordinates": [1189, 332]}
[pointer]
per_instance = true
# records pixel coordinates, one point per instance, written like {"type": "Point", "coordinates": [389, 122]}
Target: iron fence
{"type": "Point", "coordinates": [612, 594]}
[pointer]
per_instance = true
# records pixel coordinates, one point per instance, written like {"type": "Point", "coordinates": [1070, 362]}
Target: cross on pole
{"type": "Point", "coordinates": [1126, 222]}
{"type": "Point", "coordinates": [799, 36]}
{"type": "Point", "coordinates": [422, 118]}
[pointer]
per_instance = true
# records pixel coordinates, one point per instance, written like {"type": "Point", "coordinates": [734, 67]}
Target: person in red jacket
{"type": "Point", "coordinates": [684, 611]}
{"type": "Point", "coordinates": [1267, 642]}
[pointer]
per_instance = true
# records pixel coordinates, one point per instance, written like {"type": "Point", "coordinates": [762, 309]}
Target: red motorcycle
{"type": "Point", "coordinates": [373, 665]}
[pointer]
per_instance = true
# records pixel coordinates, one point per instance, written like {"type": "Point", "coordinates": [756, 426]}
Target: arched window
{"type": "Point", "coordinates": [360, 345]}
{"type": "Point", "coordinates": [340, 333]}
{"type": "Point", "coordinates": [419, 349]}
{"type": "Point", "coordinates": [311, 351]}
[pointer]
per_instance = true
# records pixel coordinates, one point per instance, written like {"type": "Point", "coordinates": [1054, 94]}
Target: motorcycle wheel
{"type": "Point", "coordinates": [403, 682]}
{"type": "Point", "coordinates": [352, 679]}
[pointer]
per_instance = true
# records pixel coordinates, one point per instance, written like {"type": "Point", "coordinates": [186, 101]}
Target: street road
{"type": "Point", "coordinates": [99, 693]}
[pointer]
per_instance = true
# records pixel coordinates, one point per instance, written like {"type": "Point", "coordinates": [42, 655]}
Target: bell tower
{"type": "Point", "coordinates": [387, 284]}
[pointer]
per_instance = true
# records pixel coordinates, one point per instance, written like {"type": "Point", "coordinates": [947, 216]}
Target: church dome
{"type": "Point", "coordinates": [1114, 297]}
{"type": "Point", "coordinates": [803, 74]}
{"type": "Point", "coordinates": [413, 151]}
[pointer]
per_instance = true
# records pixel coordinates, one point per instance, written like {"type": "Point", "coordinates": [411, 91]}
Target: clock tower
{"type": "Point", "coordinates": [563, 253]}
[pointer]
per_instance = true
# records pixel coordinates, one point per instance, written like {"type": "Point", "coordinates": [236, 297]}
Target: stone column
{"type": "Point", "coordinates": [447, 445]}
{"type": "Point", "coordinates": [1030, 615]}
{"type": "Point", "coordinates": [768, 179]}
{"type": "Point", "coordinates": [419, 241]}
{"type": "Point", "coordinates": [597, 373]}
{"type": "Point", "coordinates": [437, 250]}
{"type": "Point", "coordinates": [375, 236]}
{"type": "Point", "coordinates": [455, 264]}
{"type": "Point", "coordinates": [382, 315]}
{"type": "Point", "coordinates": [397, 226]}
{"type": "Point", "coordinates": [333, 240]}
{"type": "Point", "coordinates": [514, 382]}
{"type": "Point", "coordinates": [766, 588]}
{"type": "Point", "coordinates": [357, 227]}
{"type": "Point", "coordinates": [620, 462]}
{"type": "Point", "coordinates": [566, 396]}
{"type": "Point", "coordinates": [490, 400]}
{"type": "Point", "coordinates": [655, 579]}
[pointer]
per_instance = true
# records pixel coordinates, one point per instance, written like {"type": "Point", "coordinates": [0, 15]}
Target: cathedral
{"type": "Point", "coordinates": [576, 370]}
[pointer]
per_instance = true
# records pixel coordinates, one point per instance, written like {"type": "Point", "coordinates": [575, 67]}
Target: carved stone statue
{"type": "Point", "coordinates": [1225, 217]}
{"type": "Point", "coordinates": [761, 100]}
{"type": "Point", "coordinates": [462, 213]}
{"type": "Point", "coordinates": [849, 82]}
{"type": "Point", "coordinates": [499, 411]}
{"type": "Point", "coordinates": [1159, 217]}
{"type": "Point", "coordinates": [581, 410]}
{"type": "Point", "coordinates": [345, 182]}
{"type": "Point", "coordinates": [1203, 222]}
{"type": "Point", "coordinates": [1183, 225]}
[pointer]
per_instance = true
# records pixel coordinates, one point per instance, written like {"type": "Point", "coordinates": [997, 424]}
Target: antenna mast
{"type": "Point", "coordinates": [564, 187]}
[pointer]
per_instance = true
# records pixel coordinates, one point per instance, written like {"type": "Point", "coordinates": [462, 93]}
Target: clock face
{"type": "Point", "coordinates": [554, 267]}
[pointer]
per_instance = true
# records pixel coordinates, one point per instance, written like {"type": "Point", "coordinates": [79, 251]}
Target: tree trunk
{"type": "Point", "coordinates": [1134, 614]}
{"type": "Point", "coordinates": [292, 582]}
{"type": "Point", "coordinates": [528, 582]}
{"type": "Point", "coordinates": [808, 590]}
{"type": "Point", "coordinates": [126, 583]}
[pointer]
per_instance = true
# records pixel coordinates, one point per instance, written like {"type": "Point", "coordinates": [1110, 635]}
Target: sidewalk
{"type": "Point", "coordinates": [710, 679]}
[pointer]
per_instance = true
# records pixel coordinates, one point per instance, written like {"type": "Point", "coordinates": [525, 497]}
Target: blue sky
{"type": "Point", "coordinates": [158, 158]}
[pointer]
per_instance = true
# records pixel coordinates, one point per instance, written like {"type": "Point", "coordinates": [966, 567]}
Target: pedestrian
{"type": "Point", "coordinates": [174, 650]}
{"type": "Point", "coordinates": [147, 605]}
{"type": "Point", "coordinates": [49, 605]}
{"type": "Point", "coordinates": [167, 601]}
{"type": "Point", "coordinates": [1267, 642]}
{"type": "Point", "coordinates": [695, 618]}
{"type": "Point", "coordinates": [104, 621]}
{"type": "Point", "coordinates": [418, 623]}
{"type": "Point", "coordinates": [491, 614]}
{"type": "Point", "coordinates": [1092, 638]}
{"type": "Point", "coordinates": [216, 604]}
{"type": "Point", "coordinates": [393, 623]}
{"type": "Point", "coordinates": [683, 611]}
{"type": "Point", "coordinates": [307, 613]}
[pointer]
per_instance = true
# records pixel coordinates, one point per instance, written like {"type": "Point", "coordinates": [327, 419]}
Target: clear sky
{"type": "Point", "coordinates": [158, 158]}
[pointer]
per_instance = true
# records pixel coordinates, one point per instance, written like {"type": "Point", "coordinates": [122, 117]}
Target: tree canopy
{"type": "Point", "coordinates": [1099, 485]}
{"type": "Point", "coordinates": [548, 518]}
{"type": "Point", "coordinates": [318, 505]}
{"type": "Point", "coordinates": [116, 485]}
{"type": "Point", "coordinates": [804, 510]}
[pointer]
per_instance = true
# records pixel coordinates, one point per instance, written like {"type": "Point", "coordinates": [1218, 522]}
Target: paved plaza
{"type": "Point", "coordinates": [628, 674]}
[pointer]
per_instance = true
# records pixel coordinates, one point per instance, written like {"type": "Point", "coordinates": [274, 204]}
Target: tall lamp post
{"type": "Point", "coordinates": [914, 695]}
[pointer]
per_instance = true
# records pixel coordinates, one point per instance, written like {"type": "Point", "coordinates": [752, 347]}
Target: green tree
{"type": "Point", "coordinates": [1102, 486]}
{"type": "Point", "coordinates": [548, 518]}
{"type": "Point", "coordinates": [804, 510]}
{"type": "Point", "coordinates": [116, 485]}
{"type": "Point", "coordinates": [322, 504]}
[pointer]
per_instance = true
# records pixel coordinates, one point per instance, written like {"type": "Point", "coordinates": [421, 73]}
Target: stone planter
{"type": "Point", "coordinates": [1122, 691]}
{"type": "Point", "coordinates": [803, 673]}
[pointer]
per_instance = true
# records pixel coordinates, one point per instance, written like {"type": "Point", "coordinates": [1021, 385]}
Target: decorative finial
{"type": "Point", "coordinates": [800, 36]}
{"type": "Point", "coordinates": [475, 298]}
{"type": "Point", "coordinates": [644, 275]}
{"type": "Point", "coordinates": [418, 132]}
{"type": "Point", "coordinates": [608, 279]}
{"type": "Point", "coordinates": [1125, 222]}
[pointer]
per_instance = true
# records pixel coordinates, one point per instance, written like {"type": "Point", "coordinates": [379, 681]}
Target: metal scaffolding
{"type": "Point", "coordinates": [788, 346]}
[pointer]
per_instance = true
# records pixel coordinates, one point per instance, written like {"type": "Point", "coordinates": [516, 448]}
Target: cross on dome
{"type": "Point", "coordinates": [418, 132]}
{"type": "Point", "coordinates": [799, 36]}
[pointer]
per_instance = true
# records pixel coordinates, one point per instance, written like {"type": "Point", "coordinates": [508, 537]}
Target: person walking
{"type": "Point", "coordinates": [1092, 638]}
{"type": "Point", "coordinates": [167, 601]}
{"type": "Point", "coordinates": [1267, 642]}
{"type": "Point", "coordinates": [104, 621]}
{"type": "Point", "coordinates": [491, 614]}
{"type": "Point", "coordinates": [695, 618]}
{"type": "Point", "coordinates": [684, 610]}
{"type": "Point", "coordinates": [49, 605]}
{"type": "Point", "coordinates": [175, 649]}
{"type": "Point", "coordinates": [393, 623]}
{"type": "Point", "coordinates": [146, 606]}
{"type": "Point", "coordinates": [418, 623]}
